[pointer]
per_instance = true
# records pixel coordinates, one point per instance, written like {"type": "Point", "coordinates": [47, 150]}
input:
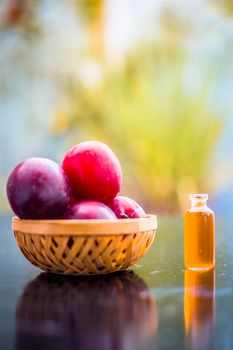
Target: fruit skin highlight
{"type": "Point", "coordinates": [127, 208]}
{"type": "Point", "coordinates": [38, 188]}
{"type": "Point", "coordinates": [93, 170]}
{"type": "Point", "coordinates": [89, 209]}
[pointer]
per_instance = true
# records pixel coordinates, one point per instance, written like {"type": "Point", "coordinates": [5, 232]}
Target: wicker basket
{"type": "Point", "coordinates": [84, 247]}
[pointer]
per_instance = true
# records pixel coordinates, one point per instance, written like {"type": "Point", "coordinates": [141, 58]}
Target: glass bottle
{"type": "Point", "coordinates": [199, 235]}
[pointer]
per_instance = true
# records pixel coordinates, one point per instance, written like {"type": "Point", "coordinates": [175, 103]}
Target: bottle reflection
{"type": "Point", "coordinates": [199, 308]}
{"type": "Point", "coordinates": [63, 312]}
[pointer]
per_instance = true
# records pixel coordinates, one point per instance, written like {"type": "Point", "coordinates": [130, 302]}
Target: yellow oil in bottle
{"type": "Point", "coordinates": [199, 234]}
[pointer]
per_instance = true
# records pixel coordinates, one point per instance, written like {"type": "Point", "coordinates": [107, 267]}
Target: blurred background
{"type": "Point", "coordinates": [152, 79]}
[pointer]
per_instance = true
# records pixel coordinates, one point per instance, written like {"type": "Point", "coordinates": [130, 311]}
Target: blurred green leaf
{"type": "Point", "coordinates": [164, 135]}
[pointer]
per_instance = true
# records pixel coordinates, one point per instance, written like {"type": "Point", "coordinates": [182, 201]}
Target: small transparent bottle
{"type": "Point", "coordinates": [199, 234]}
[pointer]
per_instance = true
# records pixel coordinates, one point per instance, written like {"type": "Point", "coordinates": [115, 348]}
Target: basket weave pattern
{"type": "Point", "coordinates": [84, 255]}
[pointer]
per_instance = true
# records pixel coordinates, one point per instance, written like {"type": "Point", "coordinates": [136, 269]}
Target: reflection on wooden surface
{"type": "Point", "coordinates": [199, 308]}
{"type": "Point", "coordinates": [105, 312]}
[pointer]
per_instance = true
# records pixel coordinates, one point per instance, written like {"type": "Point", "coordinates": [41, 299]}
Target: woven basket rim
{"type": "Point", "coordinates": [85, 227]}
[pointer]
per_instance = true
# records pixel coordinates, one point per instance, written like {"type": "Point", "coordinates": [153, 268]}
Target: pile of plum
{"type": "Point", "coordinates": [85, 186]}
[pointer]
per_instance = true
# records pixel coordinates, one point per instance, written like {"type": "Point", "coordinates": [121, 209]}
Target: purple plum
{"type": "Point", "coordinates": [89, 209]}
{"type": "Point", "coordinates": [127, 208]}
{"type": "Point", "coordinates": [38, 189]}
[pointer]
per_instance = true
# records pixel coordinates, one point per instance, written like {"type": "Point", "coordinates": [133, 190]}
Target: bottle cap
{"type": "Point", "coordinates": [198, 196]}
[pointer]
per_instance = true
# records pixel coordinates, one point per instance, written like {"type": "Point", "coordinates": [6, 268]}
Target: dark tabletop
{"type": "Point", "coordinates": [158, 305]}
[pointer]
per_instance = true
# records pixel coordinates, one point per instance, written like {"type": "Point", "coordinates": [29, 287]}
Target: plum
{"type": "Point", "coordinates": [38, 189]}
{"type": "Point", "coordinates": [93, 170]}
{"type": "Point", "coordinates": [89, 209]}
{"type": "Point", "coordinates": [126, 208]}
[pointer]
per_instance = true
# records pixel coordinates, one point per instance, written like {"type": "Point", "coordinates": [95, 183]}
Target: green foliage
{"type": "Point", "coordinates": [163, 134]}
{"type": "Point", "coordinates": [225, 5]}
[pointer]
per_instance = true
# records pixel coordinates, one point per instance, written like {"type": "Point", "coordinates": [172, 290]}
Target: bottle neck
{"type": "Point", "coordinates": [196, 203]}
